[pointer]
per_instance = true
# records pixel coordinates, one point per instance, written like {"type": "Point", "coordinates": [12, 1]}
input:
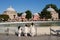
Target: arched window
{"type": "Point", "coordinates": [14, 16]}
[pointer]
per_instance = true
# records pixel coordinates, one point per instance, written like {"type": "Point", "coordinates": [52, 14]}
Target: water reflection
{"type": "Point", "coordinates": [55, 23]}
{"type": "Point", "coordinates": [14, 27]}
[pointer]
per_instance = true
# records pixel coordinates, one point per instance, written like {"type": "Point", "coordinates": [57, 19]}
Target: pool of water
{"type": "Point", "coordinates": [47, 24]}
{"type": "Point", "coordinates": [36, 23]}
{"type": "Point", "coordinates": [13, 26]}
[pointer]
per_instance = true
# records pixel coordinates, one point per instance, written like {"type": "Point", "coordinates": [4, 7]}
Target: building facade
{"type": "Point", "coordinates": [11, 13]}
{"type": "Point", "coordinates": [14, 17]}
{"type": "Point", "coordinates": [36, 17]}
{"type": "Point", "coordinates": [54, 14]}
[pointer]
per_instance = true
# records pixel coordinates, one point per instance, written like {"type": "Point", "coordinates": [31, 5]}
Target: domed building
{"type": "Point", "coordinates": [36, 17]}
{"type": "Point", "coordinates": [23, 17]}
{"type": "Point", "coordinates": [54, 14]}
{"type": "Point", "coordinates": [10, 12]}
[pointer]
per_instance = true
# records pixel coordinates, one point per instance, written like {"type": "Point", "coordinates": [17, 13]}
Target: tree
{"type": "Point", "coordinates": [28, 14]}
{"type": "Point", "coordinates": [39, 14]}
{"type": "Point", "coordinates": [52, 6]}
{"type": "Point", "coordinates": [47, 14]}
{"type": "Point", "coordinates": [19, 14]}
{"type": "Point", "coordinates": [4, 17]}
{"type": "Point", "coordinates": [59, 13]}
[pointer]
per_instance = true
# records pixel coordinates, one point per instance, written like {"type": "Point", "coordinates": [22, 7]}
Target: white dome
{"type": "Point", "coordinates": [36, 14]}
{"type": "Point", "coordinates": [23, 14]}
{"type": "Point", "coordinates": [10, 9]}
{"type": "Point", "coordinates": [50, 9]}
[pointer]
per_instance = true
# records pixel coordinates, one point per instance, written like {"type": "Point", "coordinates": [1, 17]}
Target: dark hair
{"type": "Point", "coordinates": [32, 23]}
{"type": "Point", "coordinates": [25, 24]}
{"type": "Point", "coordinates": [19, 27]}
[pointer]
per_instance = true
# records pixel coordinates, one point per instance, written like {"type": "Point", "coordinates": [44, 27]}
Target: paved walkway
{"type": "Point", "coordinates": [13, 37]}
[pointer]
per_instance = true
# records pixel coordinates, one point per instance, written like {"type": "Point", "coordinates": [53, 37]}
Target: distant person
{"type": "Point", "coordinates": [7, 31]}
{"type": "Point", "coordinates": [19, 31]}
{"type": "Point", "coordinates": [32, 30]}
{"type": "Point", "coordinates": [26, 30]}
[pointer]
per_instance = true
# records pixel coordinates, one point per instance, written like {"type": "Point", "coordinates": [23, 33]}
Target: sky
{"type": "Point", "coordinates": [34, 6]}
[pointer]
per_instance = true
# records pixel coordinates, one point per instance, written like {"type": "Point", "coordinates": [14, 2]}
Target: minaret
{"type": "Point", "coordinates": [11, 12]}
{"type": "Point", "coordinates": [50, 7]}
{"type": "Point", "coordinates": [10, 6]}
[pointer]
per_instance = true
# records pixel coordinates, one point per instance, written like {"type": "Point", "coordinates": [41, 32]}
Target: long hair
{"type": "Point", "coordinates": [32, 24]}
{"type": "Point", "coordinates": [19, 27]}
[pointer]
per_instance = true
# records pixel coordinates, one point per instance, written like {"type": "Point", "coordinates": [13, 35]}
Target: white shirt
{"type": "Point", "coordinates": [26, 29]}
{"type": "Point", "coordinates": [32, 29]}
{"type": "Point", "coordinates": [20, 30]}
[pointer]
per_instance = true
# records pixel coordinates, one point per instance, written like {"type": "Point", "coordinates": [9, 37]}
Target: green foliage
{"type": "Point", "coordinates": [19, 14]}
{"type": "Point", "coordinates": [52, 5]}
{"type": "Point", "coordinates": [4, 17]}
{"type": "Point", "coordinates": [47, 14]}
{"type": "Point", "coordinates": [59, 13]}
{"type": "Point", "coordinates": [39, 14]}
{"type": "Point", "coordinates": [28, 14]}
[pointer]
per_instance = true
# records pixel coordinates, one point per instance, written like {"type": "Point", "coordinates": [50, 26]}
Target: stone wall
{"type": "Point", "coordinates": [46, 30]}
{"type": "Point", "coordinates": [40, 30]}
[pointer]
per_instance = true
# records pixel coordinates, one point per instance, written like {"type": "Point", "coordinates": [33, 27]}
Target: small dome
{"type": "Point", "coordinates": [50, 9]}
{"type": "Point", "coordinates": [23, 14]}
{"type": "Point", "coordinates": [36, 14]}
{"type": "Point", "coordinates": [10, 9]}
